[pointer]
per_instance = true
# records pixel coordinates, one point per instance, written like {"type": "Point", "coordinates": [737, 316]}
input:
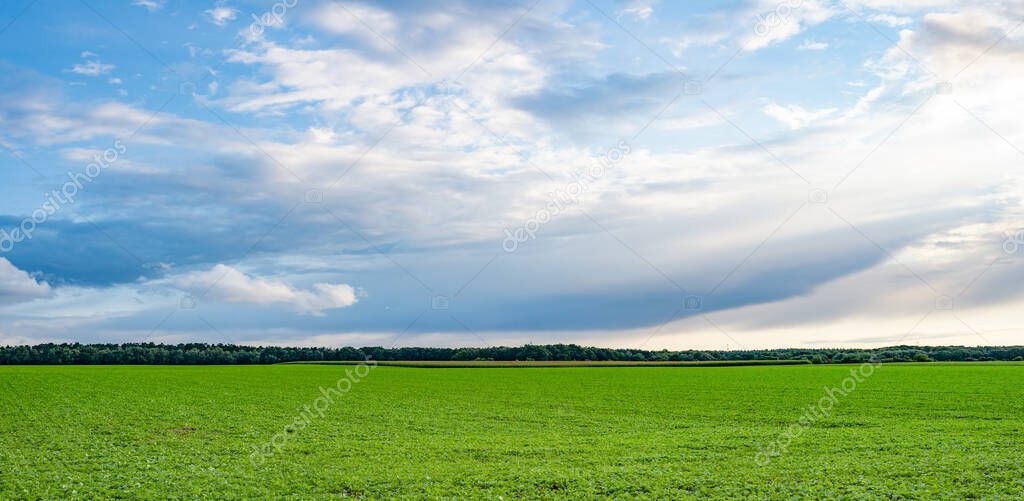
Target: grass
{"type": "Point", "coordinates": [908, 431]}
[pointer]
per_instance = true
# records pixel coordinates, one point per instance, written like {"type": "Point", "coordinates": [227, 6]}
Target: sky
{"type": "Point", "coordinates": [621, 173]}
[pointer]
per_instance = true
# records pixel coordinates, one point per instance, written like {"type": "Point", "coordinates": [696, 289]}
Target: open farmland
{"type": "Point", "coordinates": [907, 430]}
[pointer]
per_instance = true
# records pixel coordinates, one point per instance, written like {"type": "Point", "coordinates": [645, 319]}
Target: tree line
{"type": "Point", "coordinates": [208, 354]}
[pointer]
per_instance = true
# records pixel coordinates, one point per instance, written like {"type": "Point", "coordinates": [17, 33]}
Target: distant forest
{"type": "Point", "coordinates": [196, 354]}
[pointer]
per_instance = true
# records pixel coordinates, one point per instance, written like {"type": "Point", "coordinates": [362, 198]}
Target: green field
{"type": "Point", "coordinates": [907, 431]}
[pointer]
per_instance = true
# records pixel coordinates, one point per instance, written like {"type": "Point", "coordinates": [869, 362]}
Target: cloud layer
{"type": "Point", "coordinates": [228, 284]}
{"type": "Point", "coordinates": [16, 285]}
{"type": "Point", "coordinates": [761, 199]}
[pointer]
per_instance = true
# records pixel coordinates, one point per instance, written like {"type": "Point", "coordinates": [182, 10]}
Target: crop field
{"type": "Point", "coordinates": [327, 431]}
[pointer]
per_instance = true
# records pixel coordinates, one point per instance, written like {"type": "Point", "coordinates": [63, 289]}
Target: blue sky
{"type": "Point", "coordinates": [619, 173]}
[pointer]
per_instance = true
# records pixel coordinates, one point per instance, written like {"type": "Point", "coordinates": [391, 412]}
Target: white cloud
{"type": "Point", "coordinates": [363, 21]}
{"type": "Point", "coordinates": [774, 22]}
{"type": "Point", "coordinates": [890, 20]}
{"type": "Point", "coordinates": [754, 25]}
{"type": "Point", "coordinates": [322, 135]}
{"type": "Point", "coordinates": [794, 116]}
{"type": "Point", "coordinates": [150, 5]}
{"type": "Point", "coordinates": [221, 15]}
{"type": "Point", "coordinates": [695, 39]}
{"type": "Point", "coordinates": [92, 68]}
{"type": "Point", "coordinates": [401, 47]}
{"type": "Point", "coordinates": [640, 10]}
{"type": "Point", "coordinates": [16, 285]}
{"type": "Point", "coordinates": [812, 45]}
{"type": "Point", "coordinates": [324, 76]}
{"type": "Point", "coordinates": [229, 284]}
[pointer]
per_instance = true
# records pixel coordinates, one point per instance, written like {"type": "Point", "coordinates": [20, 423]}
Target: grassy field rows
{"type": "Point", "coordinates": [910, 431]}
